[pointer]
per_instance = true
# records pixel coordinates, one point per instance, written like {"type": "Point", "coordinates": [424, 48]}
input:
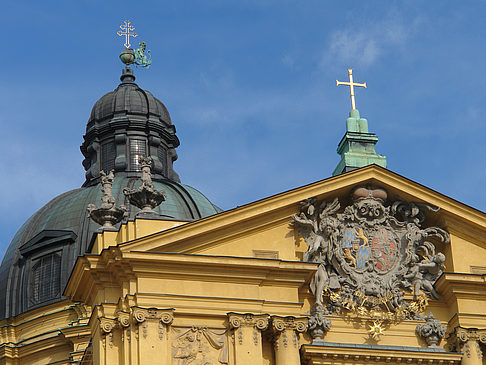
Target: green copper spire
{"type": "Point", "coordinates": [357, 147]}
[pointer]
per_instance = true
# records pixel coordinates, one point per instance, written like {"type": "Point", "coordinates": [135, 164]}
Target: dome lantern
{"type": "Point", "coordinates": [126, 124]}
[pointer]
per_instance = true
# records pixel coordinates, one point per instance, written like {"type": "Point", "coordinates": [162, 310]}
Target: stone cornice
{"type": "Point", "coordinates": [454, 285]}
{"type": "Point", "coordinates": [320, 355]}
{"type": "Point", "coordinates": [114, 267]}
{"type": "Point", "coordinates": [202, 232]}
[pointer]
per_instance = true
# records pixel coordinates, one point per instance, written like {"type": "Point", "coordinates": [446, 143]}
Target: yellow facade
{"type": "Point", "coordinates": [233, 289]}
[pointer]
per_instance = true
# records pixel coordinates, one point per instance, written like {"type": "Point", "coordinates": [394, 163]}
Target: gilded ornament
{"type": "Point", "coordinates": [351, 85]}
{"type": "Point", "coordinates": [127, 31]}
{"type": "Point", "coordinates": [370, 253]}
{"type": "Point", "coordinates": [376, 330]}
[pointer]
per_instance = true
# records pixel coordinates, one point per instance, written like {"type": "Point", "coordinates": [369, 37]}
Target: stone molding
{"type": "Point", "coordinates": [324, 355]}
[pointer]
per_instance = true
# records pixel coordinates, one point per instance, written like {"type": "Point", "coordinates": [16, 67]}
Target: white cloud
{"type": "Point", "coordinates": [363, 44]}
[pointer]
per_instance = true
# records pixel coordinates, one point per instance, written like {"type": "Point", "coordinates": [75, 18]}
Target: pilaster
{"type": "Point", "coordinates": [123, 338]}
{"type": "Point", "coordinates": [247, 331]}
{"type": "Point", "coordinates": [285, 331]}
{"type": "Point", "coordinates": [467, 341]}
{"type": "Point", "coordinates": [151, 332]}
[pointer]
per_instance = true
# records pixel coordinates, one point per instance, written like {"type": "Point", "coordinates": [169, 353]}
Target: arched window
{"type": "Point", "coordinates": [137, 149]}
{"type": "Point", "coordinates": [108, 155]}
{"type": "Point", "coordinates": [45, 278]}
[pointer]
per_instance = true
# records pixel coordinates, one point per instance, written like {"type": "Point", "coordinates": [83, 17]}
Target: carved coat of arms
{"type": "Point", "coordinates": [370, 253]}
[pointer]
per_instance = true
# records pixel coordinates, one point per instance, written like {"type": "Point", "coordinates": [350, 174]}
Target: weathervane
{"type": "Point", "coordinates": [139, 57]}
{"type": "Point", "coordinates": [351, 85]}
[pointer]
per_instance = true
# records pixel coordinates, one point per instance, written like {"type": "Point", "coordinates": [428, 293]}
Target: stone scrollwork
{"type": "Point", "coordinates": [432, 331]}
{"type": "Point", "coordinates": [370, 252]}
{"type": "Point", "coordinates": [124, 319]}
{"type": "Point", "coordinates": [107, 325]}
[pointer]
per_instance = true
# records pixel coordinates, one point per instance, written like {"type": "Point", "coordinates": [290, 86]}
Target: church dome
{"type": "Point", "coordinates": [128, 98]}
{"type": "Point", "coordinates": [125, 124]}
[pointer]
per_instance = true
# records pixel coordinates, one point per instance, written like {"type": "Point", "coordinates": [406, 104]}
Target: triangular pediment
{"type": "Point", "coordinates": [263, 228]}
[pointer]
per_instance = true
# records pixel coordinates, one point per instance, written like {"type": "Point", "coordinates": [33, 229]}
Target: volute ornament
{"type": "Point", "coordinates": [370, 252]}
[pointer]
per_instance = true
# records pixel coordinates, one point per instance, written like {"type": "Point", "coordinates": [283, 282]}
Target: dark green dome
{"type": "Point", "coordinates": [125, 125]}
{"type": "Point", "coordinates": [63, 226]}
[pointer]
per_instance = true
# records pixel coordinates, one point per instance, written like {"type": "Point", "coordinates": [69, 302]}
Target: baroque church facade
{"type": "Point", "coordinates": [136, 267]}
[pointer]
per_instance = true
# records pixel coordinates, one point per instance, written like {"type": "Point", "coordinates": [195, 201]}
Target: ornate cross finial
{"type": "Point", "coordinates": [127, 31]}
{"type": "Point", "coordinates": [351, 85]}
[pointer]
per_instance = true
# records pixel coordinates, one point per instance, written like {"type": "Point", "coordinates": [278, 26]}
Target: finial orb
{"type": "Point", "coordinates": [127, 56]}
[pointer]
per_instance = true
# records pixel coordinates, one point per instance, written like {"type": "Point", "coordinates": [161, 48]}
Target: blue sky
{"type": "Point", "coordinates": [250, 86]}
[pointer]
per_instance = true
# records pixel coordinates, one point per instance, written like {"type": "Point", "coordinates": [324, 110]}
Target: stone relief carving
{"type": "Point", "coordinates": [370, 253]}
{"type": "Point", "coordinates": [107, 214]}
{"type": "Point", "coordinates": [199, 346]}
{"type": "Point", "coordinates": [432, 331]}
{"type": "Point", "coordinates": [146, 197]}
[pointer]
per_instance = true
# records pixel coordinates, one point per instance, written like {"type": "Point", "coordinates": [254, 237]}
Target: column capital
{"type": "Point", "coordinates": [280, 324]}
{"type": "Point", "coordinates": [258, 321]}
{"type": "Point", "coordinates": [107, 324]}
{"type": "Point", "coordinates": [165, 316]}
{"type": "Point", "coordinates": [468, 334]}
{"type": "Point", "coordinates": [466, 340]}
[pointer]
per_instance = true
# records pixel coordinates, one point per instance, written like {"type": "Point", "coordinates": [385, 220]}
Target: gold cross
{"type": "Point", "coordinates": [125, 31]}
{"type": "Point", "coordinates": [351, 85]}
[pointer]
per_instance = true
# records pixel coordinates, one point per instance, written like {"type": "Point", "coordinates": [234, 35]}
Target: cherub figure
{"type": "Point", "coordinates": [320, 233]}
{"type": "Point", "coordinates": [424, 274]}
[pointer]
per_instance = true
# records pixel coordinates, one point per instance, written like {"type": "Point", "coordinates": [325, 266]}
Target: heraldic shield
{"type": "Point", "coordinates": [371, 253]}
